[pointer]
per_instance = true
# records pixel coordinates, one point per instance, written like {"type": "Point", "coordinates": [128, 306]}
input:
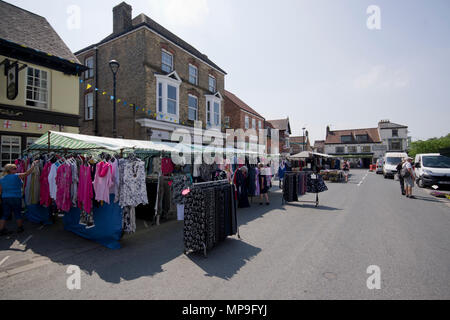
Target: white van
{"type": "Point", "coordinates": [391, 160]}
{"type": "Point", "coordinates": [432, 169]}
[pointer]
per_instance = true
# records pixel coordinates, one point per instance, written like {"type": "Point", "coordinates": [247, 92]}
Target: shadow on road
{"type": "Point", "coordinates": [312, 206]}
{"type": "Point", "coordinates": [142, 255]}
{"type": "Point", "coordinates": [430, 199]}
{"type": "Point", "coordinates": [226, 259]}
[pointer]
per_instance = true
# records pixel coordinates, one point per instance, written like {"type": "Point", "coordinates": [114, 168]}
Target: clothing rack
{"type": "Point", "coordinates": [283, 202]}
{"type": "Point", "coordinates": [212, 184]}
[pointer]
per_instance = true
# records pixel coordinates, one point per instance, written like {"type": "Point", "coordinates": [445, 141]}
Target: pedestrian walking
{"type": "Point", "coordinates": [11, 195]}
{"type": "Point", "coordinates": [264, 184]}
{"type": "Point", "coordinates": [409, 177]}
{"type": "Point", "coordinates": [400, 177]}
{"type": "Point", "coordinates": [346, 168]}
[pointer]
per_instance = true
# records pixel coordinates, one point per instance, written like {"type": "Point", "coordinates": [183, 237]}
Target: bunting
{"type": "Point", "coordinates": [123, 102]}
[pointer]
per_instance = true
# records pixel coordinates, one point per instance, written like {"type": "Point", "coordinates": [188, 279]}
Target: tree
{"type": "Point", "coordinates": [433, 145]}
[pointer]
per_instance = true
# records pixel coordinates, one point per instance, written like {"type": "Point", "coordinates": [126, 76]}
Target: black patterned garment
{"type": "Point", "coordinates": [179, 184]}
{"type": "Point", "coordinates": [290, 187]}
{"type": "Point", "coordinates": [315, 185]}
{"type": "Point", "coordinates": [195, 220]}
{"type": "Point", "coordinates": [210, 216]}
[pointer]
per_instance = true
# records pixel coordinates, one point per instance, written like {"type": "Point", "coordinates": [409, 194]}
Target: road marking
{"type": "Point", "coordinates": [26, 240]}
{"type": "Point", "coordinates": [360, 183]}
{"type": "Point", "coordinates": [4, 259]}
{"type": "Point", "coordinates": [42, 227]}
{"type": "Point", "coordinates": [145, 224]}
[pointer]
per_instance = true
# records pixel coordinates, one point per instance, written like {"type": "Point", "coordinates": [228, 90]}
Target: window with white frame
{"type": "Point", "coordinates": [31, 141]}
{"type": "Point", "coordinates": [11, 149]}
{"type": "Point", "coordinates": [172, 99]}
{"type": "Point", "coordinates": [167, 61]}
{"type": "Point", "coordinates": [89, 62]}
{"type": "Point", "coordinates": [208, 113]}
{"type": "Point", "coordinates": [352, 149]}
{"type": "Point", "coordinates": [89, 106]}
{"type": "Point", "coordinates": [247, 122]}
{"type": "Point", "coordinates": [160, 97]}
{"type": "Point", "coordinates": [253, 123]}
{"type": "Point", "coordinates": [340, 149]}
{"type": "Point", "coordinates": [193, 74]}
{"type": "Point", "coordinates": [260, 124]}
{"type": "Point", "coordinates": [37, 88]}
{"type": "Point", "coordinates": [216, 113]}
{"type": "Point", "coordinates": [365, 149]}
{"type": "Point", "coordinates": [193, 108]}
{"type": "Point", "coordinates": [213, 111]}
{"type": "Point", "coordinates": [168, 97]}
{"type": "Point", "coordinates": [212, 84]}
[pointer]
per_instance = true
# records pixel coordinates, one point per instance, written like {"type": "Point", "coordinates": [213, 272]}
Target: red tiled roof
{"type": "Point", "coordinates": [282, 124]}
{"type": "Point", "coordinates": [241, 104]}
{"type": "Point", "coordinates": [334, 137]}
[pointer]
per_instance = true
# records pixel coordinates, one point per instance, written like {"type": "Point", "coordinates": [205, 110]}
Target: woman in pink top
{"type": "Point", "coordinates": [46, 200]}
{"type": "Point", "coordinates": [63, 182]}
{"type": "Point", "coordinates": [85, 192]}
{"type": "Point", "coordinates": [103, 181]}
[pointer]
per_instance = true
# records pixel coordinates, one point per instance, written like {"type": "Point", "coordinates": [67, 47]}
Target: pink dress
{"type": "Point", "coordinates": [63, 183]}
{"type": "Point", "coordinates": [85, 192]}
{"type": "Point", "coordinates": [45, 201]}
{"type": "Point", "coordinates": [103, 181]}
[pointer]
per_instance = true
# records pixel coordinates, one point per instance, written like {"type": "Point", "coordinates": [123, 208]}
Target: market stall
{"type": "Point", "coordinates": [95, 183]}
{"type": "Point", "coordinates": [99, 186]}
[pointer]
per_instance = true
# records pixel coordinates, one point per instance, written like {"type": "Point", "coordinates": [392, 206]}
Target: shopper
{"type": "Point", "coordinates": [263, 184]}
{"type": "Point", "coordinates": [409, 177]}
{"type": "Point", "coordinates": [11, 195]}
{"type": "Point", "coordinates": [400, 177]}
{"type": "Point", "coordinates": [281, 171]}
{"type": "Point", "coordinates": [346, 168]}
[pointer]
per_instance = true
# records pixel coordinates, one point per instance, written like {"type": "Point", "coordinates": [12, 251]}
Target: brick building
{"type": "Point", "coordinates": [163, 83]}
{"type": "Point", "coordinates": [299, 144]}
{"type": "Point", "coordinates": [285, 131]}
{"type": "Point", "coordinates": [39, 81]}
{"type": "Point", "coordinates": [239, 115]}
{"type": "Point", "coordinates": [319, 146]}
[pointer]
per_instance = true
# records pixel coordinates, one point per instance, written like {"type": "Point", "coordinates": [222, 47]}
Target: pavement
{"type": "Point", "coordinates": [292, 251]}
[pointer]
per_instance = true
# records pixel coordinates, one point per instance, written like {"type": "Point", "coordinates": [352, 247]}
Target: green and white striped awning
{"type": "Point", "coordinates": [60, 142]}
{"type": "Point", "coordinates": [78, 142]}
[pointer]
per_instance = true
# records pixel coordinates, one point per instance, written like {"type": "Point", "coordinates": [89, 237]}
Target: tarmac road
{"type": "Point", "coordinates": [294, 251]}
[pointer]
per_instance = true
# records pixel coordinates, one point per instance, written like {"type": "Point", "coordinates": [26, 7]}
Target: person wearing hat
{"type": "Point", "coordinates": [409, 176]}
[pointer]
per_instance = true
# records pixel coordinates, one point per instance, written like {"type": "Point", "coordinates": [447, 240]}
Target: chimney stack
{"type": "Point", "coordinates": [122, 18]}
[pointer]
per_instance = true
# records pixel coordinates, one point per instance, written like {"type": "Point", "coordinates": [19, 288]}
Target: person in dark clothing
{"type": "Point", "coordinates": [241, 181]}
{"type": "Point", "coordinates": [400, 178]}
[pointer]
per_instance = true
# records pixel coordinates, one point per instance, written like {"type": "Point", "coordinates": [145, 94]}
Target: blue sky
{"type": "Point", "coordinates": [312, 60]}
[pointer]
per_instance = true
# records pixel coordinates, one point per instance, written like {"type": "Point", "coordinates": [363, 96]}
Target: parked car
{"type": "Point", "coordinates": [432, 169]}
{"type": "Point", "coordinates": [391, 161]}
{"type": "Point", "coordinates": [379, 168]}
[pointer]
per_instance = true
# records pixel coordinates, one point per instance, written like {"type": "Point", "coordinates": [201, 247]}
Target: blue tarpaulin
{"type": "Point", "coordinates": [107, 218]}
{"type": "Point", "coordinates": [38, 214]}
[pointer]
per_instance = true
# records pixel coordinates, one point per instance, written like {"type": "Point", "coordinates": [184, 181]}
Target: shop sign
{"type": "Point", "coordinates": [12, 85]}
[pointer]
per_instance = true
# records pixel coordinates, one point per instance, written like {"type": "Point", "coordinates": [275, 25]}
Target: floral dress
{"type": "Point", "coordinates": [133, 190]}
{"type": "Point", "coordinates": [63, 183]}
